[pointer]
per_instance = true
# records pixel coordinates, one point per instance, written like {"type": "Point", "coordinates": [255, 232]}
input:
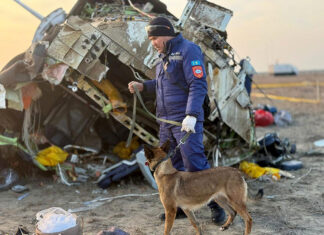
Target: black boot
{"type": "Point", "coordinates": [217, 213]}
{"type": "Point", "coordinates": [180, 214]}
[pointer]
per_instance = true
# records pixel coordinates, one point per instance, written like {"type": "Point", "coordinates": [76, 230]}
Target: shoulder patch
{"type": "Point", "coordinates": [198, 71]}
{"type": "Point", "coordinates": [195, 63]}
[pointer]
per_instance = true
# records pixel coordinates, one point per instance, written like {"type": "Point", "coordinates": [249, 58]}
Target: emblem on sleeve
{"type": "Point", "coordinates": [198, 71]}
{"type": "Point", "coordinates": [195, 63]}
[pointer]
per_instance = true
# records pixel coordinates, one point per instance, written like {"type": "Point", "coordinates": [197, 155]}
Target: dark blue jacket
{"type": "Point", "coordinates": [180, 85]}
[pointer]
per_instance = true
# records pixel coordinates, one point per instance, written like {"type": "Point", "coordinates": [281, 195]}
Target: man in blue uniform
{"type": "Point", "coordinates": [180, 86]}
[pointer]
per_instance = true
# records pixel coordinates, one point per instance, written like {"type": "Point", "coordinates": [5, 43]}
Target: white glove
{"type": "Point", "coordinates": [188, 124]}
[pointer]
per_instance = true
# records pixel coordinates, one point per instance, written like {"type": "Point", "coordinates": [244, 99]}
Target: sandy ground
{"type": "Point", "coordinates": [290, 206]}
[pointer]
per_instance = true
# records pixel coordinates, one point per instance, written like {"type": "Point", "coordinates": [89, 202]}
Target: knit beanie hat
{"type": "Point", "coordinates": [160, 26]}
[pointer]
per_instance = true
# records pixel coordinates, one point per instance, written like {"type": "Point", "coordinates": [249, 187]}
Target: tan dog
{"type": "Point", "coordinates": [192, 190]}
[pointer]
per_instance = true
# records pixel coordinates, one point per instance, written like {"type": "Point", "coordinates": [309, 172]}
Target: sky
{"type": "Point", "coordinates": [267, 31]}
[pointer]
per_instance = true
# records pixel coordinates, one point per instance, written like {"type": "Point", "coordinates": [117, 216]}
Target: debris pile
{"type": "Point", "coordinates": [73, 112]}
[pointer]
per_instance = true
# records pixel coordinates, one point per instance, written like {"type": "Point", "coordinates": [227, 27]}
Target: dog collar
{"type": "Point", "coordinates": [182, 141]}
{"type": "Point", "coordinates": [159, 162]}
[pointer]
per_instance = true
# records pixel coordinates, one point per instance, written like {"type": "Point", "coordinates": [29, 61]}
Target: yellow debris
{"type": "Point", "coordinates": [51, 156]}
{"type": "Point", "coordinates": [113, 94]}
{"type": "Point", "coordinates": [255, 171]}
{"type": "Point", "coordinates": [123, 152]}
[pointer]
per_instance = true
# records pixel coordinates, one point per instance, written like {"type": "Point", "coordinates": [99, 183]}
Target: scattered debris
{"type": "Point", "coordinates": [301, 177]}
{"type": "Point", "coordinates": [255, 171]}
{"type": "Point", "coordinates": [263, 118]}
{"type": "Point", "coordinates": [19, 188]}
{"type": "Point", "coordinates": [51, 156]}
{"type": "Point", "coordinates": [23, 196]}
{"type": "Point", "coordinates": [291, 165]}
{"type": "Point", "coordinates": [70, 88]}
{"type": "Point", "coordinates": [113, 231]}
{"type": "Point", "coordinates": [7, 178]}
{"type": "Point", "coordinates": [283, 118]}
{"type": "Point", "coordinates": [86, 208]}
{"type": "Point", "coordinates": [274, 150]}
{"type": "Point", "coordinates": [55, 220]}
{"type": "Point", "coordinates": [22, 230]}
{"type": "Point", "coordinates": [89, 205]}
{"type": "Point", "coordinates": [319, 143]}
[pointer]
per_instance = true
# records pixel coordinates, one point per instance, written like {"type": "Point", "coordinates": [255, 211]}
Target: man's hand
{"type": "Point", "coordinates": [188, 124]}
{"type": "Point", "coordinates": [138, 85]}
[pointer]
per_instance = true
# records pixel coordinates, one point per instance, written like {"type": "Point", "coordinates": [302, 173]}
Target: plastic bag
{"type": "Point", "coordinates": [55, 220]}
{"type": "Point", "coordinates": [263, 118]}
{"type": "Point", "coordinates": [283, 118]}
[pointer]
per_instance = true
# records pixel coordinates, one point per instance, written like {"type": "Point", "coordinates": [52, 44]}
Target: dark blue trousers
{"type": "Point", "coordinates": [191, 156]}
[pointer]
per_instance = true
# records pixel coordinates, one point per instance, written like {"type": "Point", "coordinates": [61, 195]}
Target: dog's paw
{"type": "Point", "coordinates": [223, 228]}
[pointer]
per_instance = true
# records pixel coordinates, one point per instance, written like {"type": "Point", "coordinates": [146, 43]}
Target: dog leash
{"type": "Point", "coordinates": [172, 153]}
{"type": "Point", "coordinates": [151, 114]}
{"type": "Point", "coordinates": [138, 95]}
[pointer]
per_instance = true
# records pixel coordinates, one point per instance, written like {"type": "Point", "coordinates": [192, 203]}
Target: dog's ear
{"type": "Point", "coordinates": [166, 146]}
{"type": "Point", "coordinates": [148, 151]}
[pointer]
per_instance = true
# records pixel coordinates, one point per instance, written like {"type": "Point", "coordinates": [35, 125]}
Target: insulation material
{"type": "Point", "coordinates": [113, 94]}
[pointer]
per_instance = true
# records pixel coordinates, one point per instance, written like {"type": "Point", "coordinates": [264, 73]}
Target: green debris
{"type": "Point", "coordinates": [107, 108]}
{"type": "Point", "coordinates": [4, 140]}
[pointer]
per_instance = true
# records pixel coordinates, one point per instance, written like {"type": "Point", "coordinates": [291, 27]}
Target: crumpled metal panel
{"type": "Point", "coordinates": [228, 89]}
{"type": "Point", "coordinates": [130, 43]}
{"type": "Point", "coordinates": [196, 33]}
{"type": "Point", "coordinates": [58, 49]}
{"type": "Point", "coordinates": [212, 15]}
{"type": "Point", "coordinates": [69, 36]}
{"type": "Point", "coordinates": [80, 45]}
{"type": "Point", "coordinates": [212, 55]}
{"type": "Point", "coordinates": [72, 58]}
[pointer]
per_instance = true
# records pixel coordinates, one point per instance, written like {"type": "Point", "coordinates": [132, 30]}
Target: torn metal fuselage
{"type": "Point", "coordinates": [105, 41]}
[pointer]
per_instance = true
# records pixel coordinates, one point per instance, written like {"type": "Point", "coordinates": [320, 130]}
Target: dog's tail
{"type": "Point", "coordinates": [255, 196]}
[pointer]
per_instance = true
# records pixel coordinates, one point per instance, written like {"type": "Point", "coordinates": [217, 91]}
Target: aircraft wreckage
{"type": "Point", "coordinates": [69, 89]}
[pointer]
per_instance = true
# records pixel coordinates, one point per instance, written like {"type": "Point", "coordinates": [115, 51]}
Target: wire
{"type": "Point", "coordinates": [121, 196]}
{"type": "Point", "coordinates": [140, 11]}
{"type": "Point", "coordinates": [137, 75]}
{"type": "Point", "coordinates": [265, 95]}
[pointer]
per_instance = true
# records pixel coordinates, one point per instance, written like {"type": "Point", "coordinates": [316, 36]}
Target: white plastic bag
{"type": "Point", "coordinates": [54, 220]}
{"type": "Point", "coordinates": [282, 118]}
